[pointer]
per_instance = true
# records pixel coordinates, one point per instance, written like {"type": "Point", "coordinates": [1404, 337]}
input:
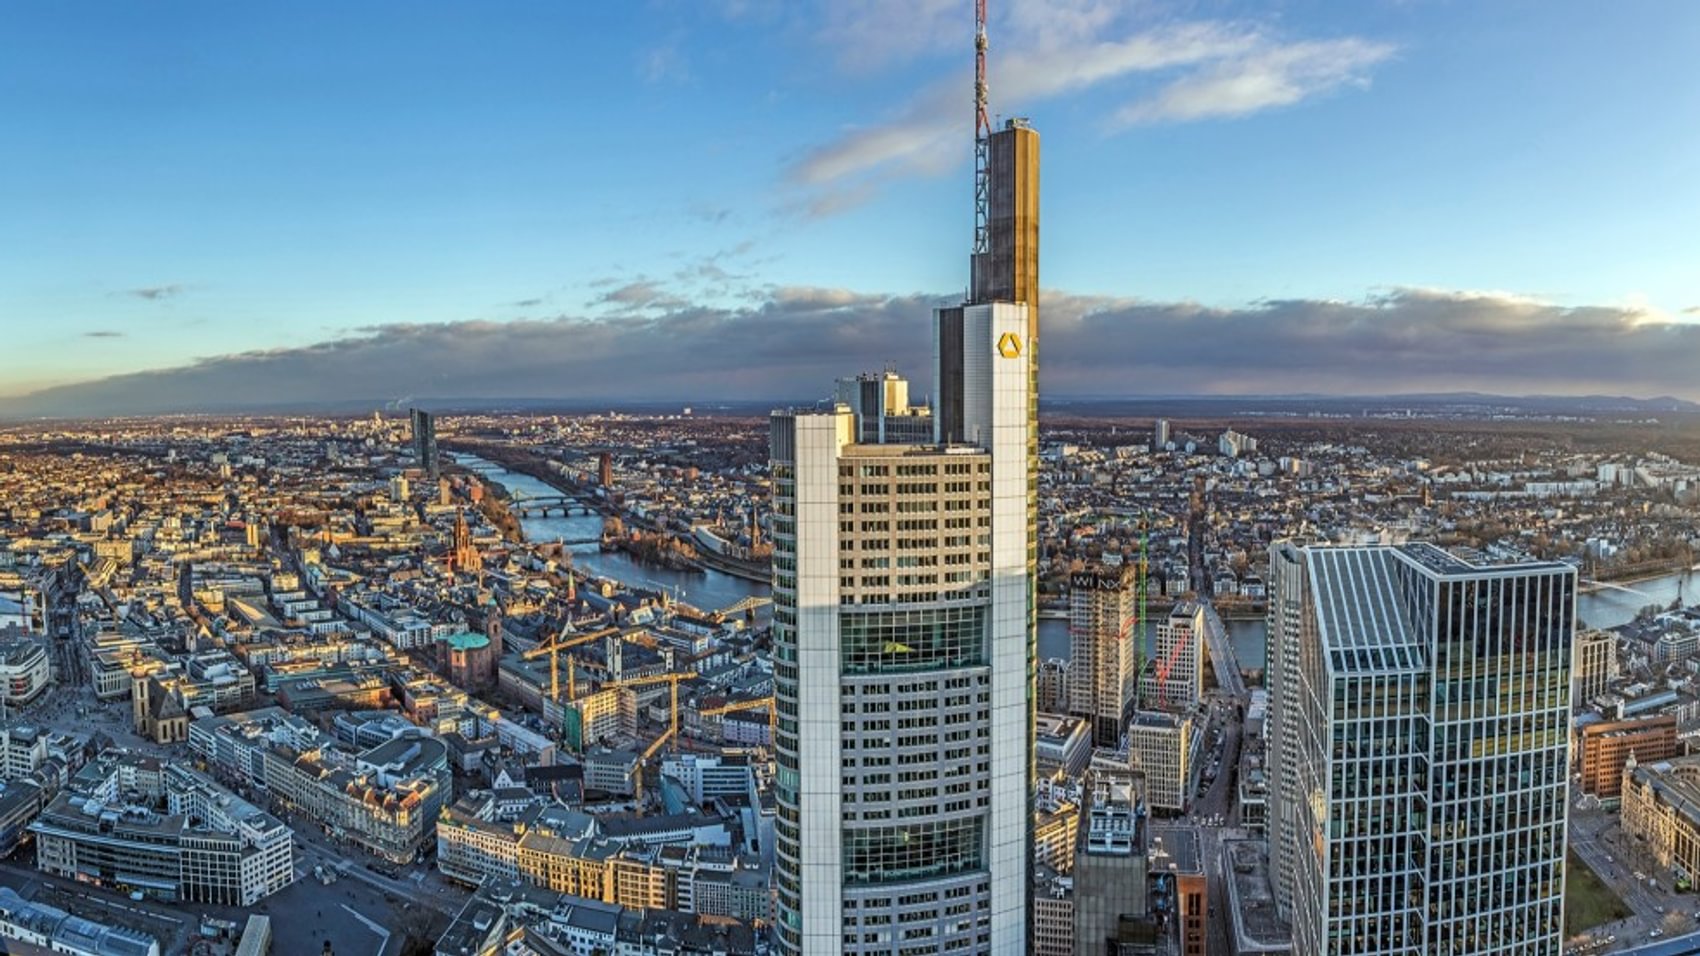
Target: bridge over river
{"type": "Point", "coordinates": [541, 506]}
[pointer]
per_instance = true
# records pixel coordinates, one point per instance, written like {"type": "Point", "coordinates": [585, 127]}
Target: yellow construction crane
{"type": "Point", "coordinates": [561, 642]}
{"type": "Point", "coordinates": [672, 731]}
{"type": "Point", "coordinates": [751, 704]}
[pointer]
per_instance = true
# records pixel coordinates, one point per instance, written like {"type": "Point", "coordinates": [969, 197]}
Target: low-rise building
{"type": "Point", "coordinates": [1053, 913]}
{"type": "Point", "coordinates": [1062, 743]}
{"type": "Point", "coordinates": [1604, 747]}
{"type": "Point", "coordinates": [54, 930]}
{"type": "Point", "coordinates": [705, 777]}
{"type": "Point", "coordinates": [1660, 810]}
{"type": "Point", "coordinates": [23, 749]}
{"type": "Point", "coordinates": [386, 800]}
{"type": "Point", "coordinates": [168, 832]}
{"type": "Point", "coordinates": [24, 670]}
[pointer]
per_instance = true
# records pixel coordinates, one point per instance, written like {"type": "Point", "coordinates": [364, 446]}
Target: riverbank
{"type": "Point", "coordinates": [707, 589]}
{"type": "Point", "coordinates": [1638, 576]}
{"type": "Point", "coordinates": [748, 571]}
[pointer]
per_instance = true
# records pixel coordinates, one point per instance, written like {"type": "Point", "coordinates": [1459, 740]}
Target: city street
{"type": "Point", "coordinates": [1599, 841]}
{"type": "Point", "coordinates": [420, 885]}
{"type": "Point", "coordinates": [304, 916]}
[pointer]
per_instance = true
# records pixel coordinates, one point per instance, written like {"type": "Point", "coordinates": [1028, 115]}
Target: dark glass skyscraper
{"type": "Point", "coordinates": [424, 440]}
{"type": "Point", "coordinates": [1419, 708]}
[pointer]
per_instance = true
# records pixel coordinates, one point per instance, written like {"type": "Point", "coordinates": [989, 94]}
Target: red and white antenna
{"type": "Point", "coordinates": [982, 135]}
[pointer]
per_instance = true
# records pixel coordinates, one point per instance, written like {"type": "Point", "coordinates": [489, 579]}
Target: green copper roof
{"type": "Point", "coordinates": [467, 641]}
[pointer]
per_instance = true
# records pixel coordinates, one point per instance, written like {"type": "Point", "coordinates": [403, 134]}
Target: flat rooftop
{"type": "Point", "coordinates": [1251, 899]}
{"type": "Point", "coordinates": [1175, 850]}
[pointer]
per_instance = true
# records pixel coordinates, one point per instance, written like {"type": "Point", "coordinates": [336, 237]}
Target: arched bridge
{"type": "Point", "coordinates": [549, 507]}
{"type": "Point", "coordinates": [747, 604]}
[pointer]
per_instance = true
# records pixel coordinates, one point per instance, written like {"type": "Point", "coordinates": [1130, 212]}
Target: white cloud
{"type": "Point", "coordinates": [1264, 78]}
{"type": "Point", "coordinates": [1056, 48]}
{"type": "Point", "coordinates": [665, 63]}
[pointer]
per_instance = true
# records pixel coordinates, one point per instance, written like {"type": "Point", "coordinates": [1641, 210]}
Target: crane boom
{"type": "Point", "coordinates": [751, 704]}
{"type": "Point", "coordinates": [562, 641]}
{"type": "Point", "coordinates": [672, 731]}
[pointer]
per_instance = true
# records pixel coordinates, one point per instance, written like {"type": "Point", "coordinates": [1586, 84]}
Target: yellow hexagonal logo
{"type": "Point", "coordinates": [1010, 345]}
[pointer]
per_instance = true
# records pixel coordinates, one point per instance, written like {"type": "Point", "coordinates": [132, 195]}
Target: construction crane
{"type": "Point", "coordinates": [563, 641]}
{"type": "Point", "coordinates": [751, 704]}
{"type": "Point", "coordinates": [672, 731]}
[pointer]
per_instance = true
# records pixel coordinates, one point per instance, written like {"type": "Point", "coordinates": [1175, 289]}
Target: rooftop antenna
{"type": "Point", "coordinates": [982, 136]}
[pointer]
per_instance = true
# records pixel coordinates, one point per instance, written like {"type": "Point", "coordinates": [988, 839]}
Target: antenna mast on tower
{"type": "Point", "coordinates": [982, 137]}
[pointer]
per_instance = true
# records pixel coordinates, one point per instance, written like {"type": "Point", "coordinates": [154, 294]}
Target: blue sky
{"type": "Point", "coordinates": [182, 181]}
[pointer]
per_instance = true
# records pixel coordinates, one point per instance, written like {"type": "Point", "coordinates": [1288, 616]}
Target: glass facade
{"type": "Point", "coordinates": [1419, 755]}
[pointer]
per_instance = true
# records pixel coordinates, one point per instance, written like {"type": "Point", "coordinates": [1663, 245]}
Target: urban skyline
{"type": "Point", "coordinates": [1407, 164]}
{"type": "Point", "coordinates": [666, 614]}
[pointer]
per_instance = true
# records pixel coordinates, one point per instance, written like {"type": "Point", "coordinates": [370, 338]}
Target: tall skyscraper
{"type": "Point", "coordinates": [1104, 649]}
{"type": "Point", "coordinates": [1160, 434]}
{"type": "Point", "coordinates": [1419, 707]}
{"type": "Point", "coordinates": [902, 667]}
{"type": "Point", "coordinates": [424, 440]}
{"type": "Point", "coordinates": [904, 624]}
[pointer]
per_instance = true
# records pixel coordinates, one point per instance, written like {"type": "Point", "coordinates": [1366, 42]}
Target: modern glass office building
{"type": "Point", "coordinates": [1418, 754]}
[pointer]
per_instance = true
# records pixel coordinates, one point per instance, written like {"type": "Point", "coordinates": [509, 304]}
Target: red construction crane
{"type": "Point", "coordinates": [1163, 670]}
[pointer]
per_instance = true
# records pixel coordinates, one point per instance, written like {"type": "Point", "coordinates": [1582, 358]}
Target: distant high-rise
{"type": "Point", "coordinates": [1418, 750]}
{"type": "Point", "coordinates": [424, 440]}
{"type": "Point", "coordinates": [880, 401]}
{"type": "Point", "coordinates": [1160, 434]}
{"type": "Point", "coordinates": [1596, 665]}
{"type": "Point", "coordinates": [1103, 615]}
{"type": "Point", "coordinates": [1052, 686]}
{"type": "Point", "coordinates": [605, 470]}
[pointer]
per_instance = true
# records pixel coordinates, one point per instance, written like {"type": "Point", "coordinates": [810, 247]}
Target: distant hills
{"type": "Point", "coordinates": [1428, 404]}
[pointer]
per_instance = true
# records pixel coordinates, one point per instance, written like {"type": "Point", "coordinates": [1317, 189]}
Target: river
{"type": "Point", "coordinates": [1607, 607]}
{"type": "Point", "coordinates": [1603, 607]}
{"type": "Point", "coordinates": [707, 590]}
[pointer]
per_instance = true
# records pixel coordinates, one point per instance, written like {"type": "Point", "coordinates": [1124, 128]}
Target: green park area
{"type": "Point", "coordinates": [1588, 901]}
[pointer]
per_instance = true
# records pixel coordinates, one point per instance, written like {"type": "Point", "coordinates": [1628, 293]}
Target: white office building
{"type": "Point", "coordinates": [1175, 680]}
{"type": "Point", "coordinates": [903, 601]}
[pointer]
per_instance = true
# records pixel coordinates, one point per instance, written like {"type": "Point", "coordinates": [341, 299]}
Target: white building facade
{"type": "Point", "coordinates": [903, 611]}
{"type": "Point", "coordinates": [1175, 680]}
